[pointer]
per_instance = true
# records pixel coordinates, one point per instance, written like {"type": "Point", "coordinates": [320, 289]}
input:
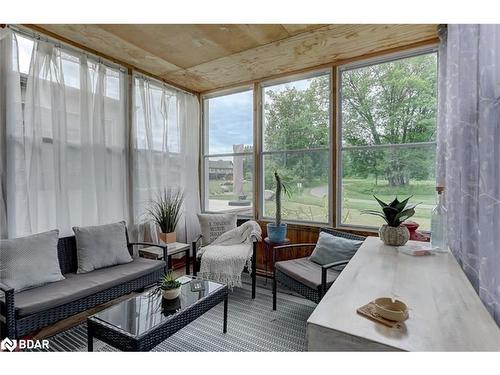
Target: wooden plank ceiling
{"type": "Point", "coordinates": [206, 57]}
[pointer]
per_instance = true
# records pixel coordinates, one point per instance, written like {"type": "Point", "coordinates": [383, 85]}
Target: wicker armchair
{"type": "Point", "coordinates": [304, 276]}
{"type": "Point", "coordinates": [197, 261]}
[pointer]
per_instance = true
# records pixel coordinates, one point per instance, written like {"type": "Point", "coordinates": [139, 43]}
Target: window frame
{"type": "Point", "coordinates": [262, 153]}
{"type": "Point", "coordinates": [429, 49]}
{"type": "Point", "coordinates": [204, 155]}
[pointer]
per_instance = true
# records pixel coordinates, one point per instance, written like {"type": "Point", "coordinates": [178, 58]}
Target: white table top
{"type": "Point", "coordinates": [172, 248]}
{"type": "Point", "coordinates": [445, 312]}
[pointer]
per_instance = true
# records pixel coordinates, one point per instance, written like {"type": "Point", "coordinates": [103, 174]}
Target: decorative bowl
{"type": "Point", "coordinates": [170, 294]}
{"type": "Point", "coordinates": [394, 236]}
{"type": "Point", "coordinates": [394, 310]}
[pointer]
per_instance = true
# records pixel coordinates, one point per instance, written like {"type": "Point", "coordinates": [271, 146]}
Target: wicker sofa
{"type": "Point", "coordinates": [30, 310]}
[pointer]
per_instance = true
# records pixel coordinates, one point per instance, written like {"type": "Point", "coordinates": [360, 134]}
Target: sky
{"type": "Point", "coordinates": [230, 118]}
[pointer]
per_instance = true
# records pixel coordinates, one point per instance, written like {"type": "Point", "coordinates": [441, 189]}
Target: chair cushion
{"type": "Point", "coordinates": [101, 246]}
{"type": "Point", "coordinates": [77, 286]}
{"type": "Point", "coordinates": [213, 225]}
{"type": "Point", "coordinates": [30, 261]}
{"type": "Point", "coordinates": [306, 272]}
{"type": "Point", "coordinates": [330, 248]}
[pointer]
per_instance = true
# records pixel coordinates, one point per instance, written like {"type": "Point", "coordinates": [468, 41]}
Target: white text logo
{"type": "Point", "coordinates": [11, 345]}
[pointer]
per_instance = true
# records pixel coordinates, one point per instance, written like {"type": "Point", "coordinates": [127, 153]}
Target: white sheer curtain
{"type": "Point", "coordinates": [165, 133]}
{"type": "Point", "coordinates": [67, 164]}
{"type": "Point", "coordinates": [11, 121]}
{"type": "Point", "coordinates": [469, 152]}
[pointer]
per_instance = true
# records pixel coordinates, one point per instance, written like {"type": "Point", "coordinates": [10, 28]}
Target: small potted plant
{"type": "Point", "coordinates": [170, 287]}
{"type": "Point", "coordinates": [393, 233]}
{"type": "Point", "coordinates": [277, 230]}
{"type": "Point", "coordinates": [165, 211]}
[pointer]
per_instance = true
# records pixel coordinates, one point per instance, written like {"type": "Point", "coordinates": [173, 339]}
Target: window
{"type": "Point", "coordinates": [228, 153]}
{"type": "Point", "coordinates": [388, 132]}
{"type": "Point", "coordinates": [295, 139]}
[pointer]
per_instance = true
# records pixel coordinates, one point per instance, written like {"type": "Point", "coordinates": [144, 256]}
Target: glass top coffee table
{"type": "Point", "coordinates": [142, 322]}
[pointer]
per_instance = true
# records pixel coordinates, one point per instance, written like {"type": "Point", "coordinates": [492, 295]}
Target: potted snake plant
{"type": "Point", "coordinates": [393, 233]}
{"type": "Point", "coordinates": [165, 211]}
{"type": "Point", "coordinates": [277, 230]}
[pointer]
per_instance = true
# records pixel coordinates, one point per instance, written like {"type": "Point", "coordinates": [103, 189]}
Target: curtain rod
{"type": "Point", "coordinates": [159, 82]}
{"type": "Point", "coordinates": [37, 36]}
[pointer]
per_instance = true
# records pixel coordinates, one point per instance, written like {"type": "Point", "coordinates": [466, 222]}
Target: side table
{"type": "Point", "coordinates": [172, 249]}
{"type": "Point", "coordinates": [268, 255]}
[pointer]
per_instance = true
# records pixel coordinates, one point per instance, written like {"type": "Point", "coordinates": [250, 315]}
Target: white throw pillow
{"type": "Point", "coordinates": [28, 262]}
{"type": "Point", "coordinates": [101, 246]}
{"type": "Point", "coordinates": [213, 225]}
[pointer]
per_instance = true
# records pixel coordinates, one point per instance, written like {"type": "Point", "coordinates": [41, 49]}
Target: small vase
{"type": "Point", "coordinates": [394, 236]}
{"type": "Point", "coordinates": [170, 294]}
{"type": "Point", "coordinates": [168, 237]}
{"type": "Point", "coordinates": [276, 234]}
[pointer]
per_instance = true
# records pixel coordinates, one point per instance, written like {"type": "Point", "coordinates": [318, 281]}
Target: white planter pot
{"type": "Point", "coordinates": [394, 236]}
{"type": "Point", "coordinates": [171, 293]}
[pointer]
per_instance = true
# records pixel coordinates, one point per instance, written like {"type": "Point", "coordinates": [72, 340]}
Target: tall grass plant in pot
{"type": "Point", "coordinates": [165, 211]}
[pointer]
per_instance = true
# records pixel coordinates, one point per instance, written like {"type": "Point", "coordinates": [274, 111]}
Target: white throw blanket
{"type": "Point", "coordinates": [226, 257]}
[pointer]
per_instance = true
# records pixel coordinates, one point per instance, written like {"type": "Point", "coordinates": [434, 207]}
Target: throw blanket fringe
{"type": "Point", "coordinates": [226, 257]}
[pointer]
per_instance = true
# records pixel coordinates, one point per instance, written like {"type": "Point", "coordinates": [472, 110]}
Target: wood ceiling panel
{"type": "Point", "coordinates": [190, 45]}
{"type": "Point", "coordinates": [98, 39]}
{"type": "Point", "coordinates": [206, 57]}
{"type": "Point", "coordinates": [294, 29]}
{"type": "Point", "coordinates": [327, 44]}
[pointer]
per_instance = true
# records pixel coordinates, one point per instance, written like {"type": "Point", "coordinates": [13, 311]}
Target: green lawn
{"type": "Point", "coordinates": [357, 196]}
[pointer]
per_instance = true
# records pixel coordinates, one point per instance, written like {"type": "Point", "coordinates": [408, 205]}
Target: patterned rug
{"type": "Point", "coordinates": [252, 326]}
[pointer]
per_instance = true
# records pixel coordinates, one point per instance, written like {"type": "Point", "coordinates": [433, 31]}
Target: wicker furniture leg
{"type": "Point", "coordinates": [188, 268]}
{"type": "Point", "coordinates": [9, 313]}
{"type": "Point", "coordinates": [90, 339]}
{"type": "Point", "coordinates": [254, 268]}
{"type": "Point", "coordinates": [224, 329]}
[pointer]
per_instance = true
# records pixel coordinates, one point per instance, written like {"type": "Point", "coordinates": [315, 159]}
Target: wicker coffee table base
{"type": "Point", "coordinates": [124, 341]}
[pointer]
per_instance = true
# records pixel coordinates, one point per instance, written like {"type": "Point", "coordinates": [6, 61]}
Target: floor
{"type": "Point", "coordinates": [63, 325]}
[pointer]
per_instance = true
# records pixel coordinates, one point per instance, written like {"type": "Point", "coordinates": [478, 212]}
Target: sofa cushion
{"type": "Point", "coordinates": [31, 261]}
{"type": "Point", "coordinates": [213, 225]}
{"type": "Point", "coordinates": [306, 272]}
{"type": "Point", "coordinates": [101, 246]}
{"type": "Point", "coordinates": [330, 249]}
{"type": "Point", "coordinates": [77, 286]}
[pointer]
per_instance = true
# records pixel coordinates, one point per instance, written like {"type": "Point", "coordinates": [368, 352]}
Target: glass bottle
{"type": "Point", "coordinates": [438, 224]}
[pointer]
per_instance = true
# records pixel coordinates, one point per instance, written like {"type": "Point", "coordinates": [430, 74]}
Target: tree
{"type": "Point", "coordinates": [297, 119]}
{"type": "Point", "coordinates": [388, 103]}
{"type": "Point", "coordinates": [391, 103]}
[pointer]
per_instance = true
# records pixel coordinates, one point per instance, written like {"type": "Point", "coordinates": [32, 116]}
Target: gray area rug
{"type": "Point", "coordinates": [252, 326]}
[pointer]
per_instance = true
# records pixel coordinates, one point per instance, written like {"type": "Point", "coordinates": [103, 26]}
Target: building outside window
{"type": "Point", "coordinates": [228, 153]}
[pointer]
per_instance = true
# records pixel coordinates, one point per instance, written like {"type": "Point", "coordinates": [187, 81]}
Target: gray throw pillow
{"type": "Point", "coordinates": [101, 246]}
{"type": "Point", "coordinates": [28, 262]}
{"type": "Point", "coordinates": [330, 248]}
{"type": "Point", "coordinates": [213, 225]}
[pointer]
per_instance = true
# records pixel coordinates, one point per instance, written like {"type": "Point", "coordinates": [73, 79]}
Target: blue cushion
{"type": "Point", "coordinates": [330, 248]}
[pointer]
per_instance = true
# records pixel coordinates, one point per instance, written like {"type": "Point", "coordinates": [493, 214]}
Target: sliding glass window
{"type": "Point", "coordinates": [387, 147]}
{"type": "Point", "coordinates": [228, 152]}
{"type": "Point", "coordinates": [296, 144]}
